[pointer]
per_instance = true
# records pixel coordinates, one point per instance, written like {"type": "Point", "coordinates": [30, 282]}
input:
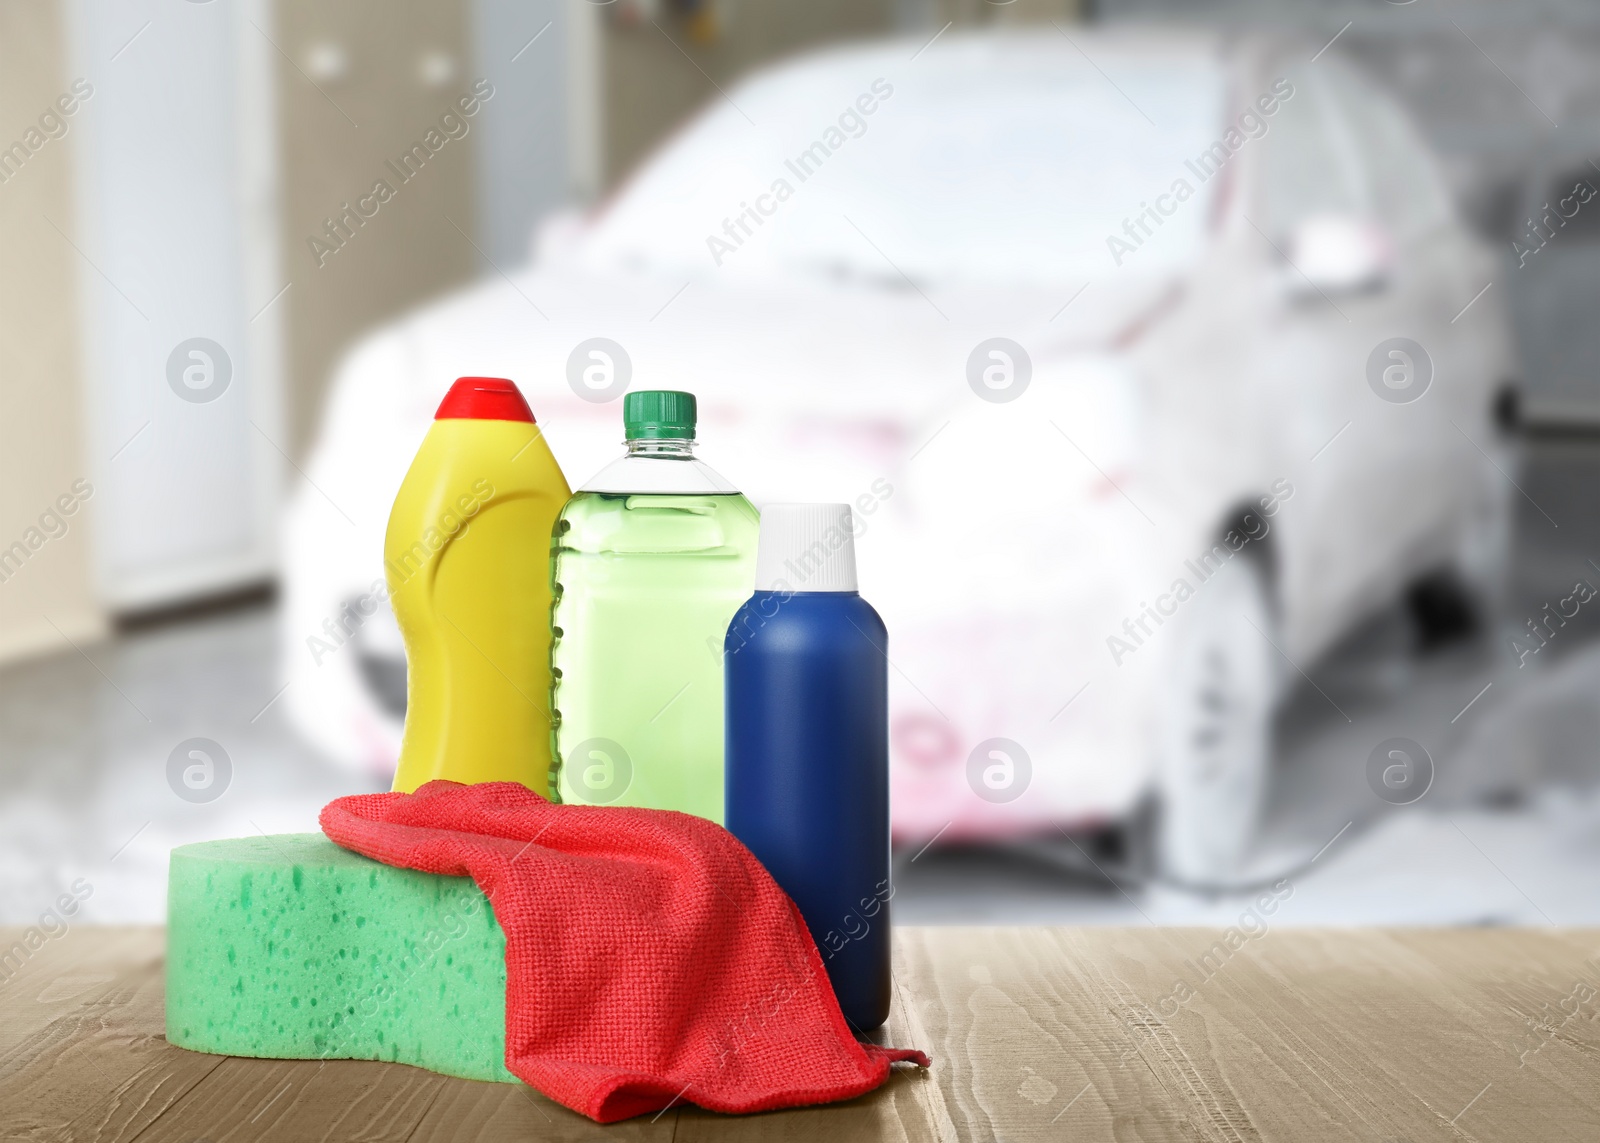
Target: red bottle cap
{"type": "Point", "coordinates": [484, 399]}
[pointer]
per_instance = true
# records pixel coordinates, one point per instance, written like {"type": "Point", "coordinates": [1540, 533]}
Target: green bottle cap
{"type": "Point", "coordinates": [654, 413]}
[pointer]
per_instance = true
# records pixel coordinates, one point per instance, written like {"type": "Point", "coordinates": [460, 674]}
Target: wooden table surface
{"type": "Point", "coordinates": [1081, 1034]}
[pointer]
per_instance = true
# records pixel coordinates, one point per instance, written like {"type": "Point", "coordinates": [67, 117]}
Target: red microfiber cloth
{"type": "Point", "coordinates": [650, 958]}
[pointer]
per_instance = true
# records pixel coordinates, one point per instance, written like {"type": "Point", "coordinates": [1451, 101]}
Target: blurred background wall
{"type": "Point", "coordinates": [358, 84]}
{"type": "Point", "coordinates": [49, 595]}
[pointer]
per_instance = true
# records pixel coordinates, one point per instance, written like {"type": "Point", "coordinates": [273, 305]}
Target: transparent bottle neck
{"type": "Point", "coordinates": [680, 448]}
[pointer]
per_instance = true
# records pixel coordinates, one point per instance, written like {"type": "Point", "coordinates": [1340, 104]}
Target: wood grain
{"type": "Point", "coordinates": [85, 1057]}
{"type": "Point", "coordinates": [1116, 1034]}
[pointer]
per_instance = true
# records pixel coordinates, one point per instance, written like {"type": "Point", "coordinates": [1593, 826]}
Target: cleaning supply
{"type": "Point", "coordinates": [467, 560]}
{"type": "Point", "coordinates": [806, 660]}
{"type": "Point", "coordinates": [650, 959]}
{"type": "Point", "coordinates": [650, 560]}
{"type": "Point", "coordinates": [648, 954]}
{"type": "Point", "coordinates": [289, 947]}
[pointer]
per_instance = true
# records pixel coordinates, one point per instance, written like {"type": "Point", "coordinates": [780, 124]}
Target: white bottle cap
{"type": "Point", "coordinates": [806, 547]}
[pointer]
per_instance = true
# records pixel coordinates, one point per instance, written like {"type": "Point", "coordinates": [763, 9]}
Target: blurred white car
{"type": "Point", "coordinates": [1152, 361]}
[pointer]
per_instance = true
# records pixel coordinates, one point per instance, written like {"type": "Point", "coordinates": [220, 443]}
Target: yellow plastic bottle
{"type": "Point", "coordinates": [467, 556]}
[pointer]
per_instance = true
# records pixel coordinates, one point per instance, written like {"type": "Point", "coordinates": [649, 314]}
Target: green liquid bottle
{"type": "Point", "coordinates": [650, 559]}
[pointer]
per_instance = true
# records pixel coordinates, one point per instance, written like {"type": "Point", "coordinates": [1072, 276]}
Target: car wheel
{"type": "Point", "coordinates": [1215, 727]}
{"type": "Point", "coordinates": [1444, 610]}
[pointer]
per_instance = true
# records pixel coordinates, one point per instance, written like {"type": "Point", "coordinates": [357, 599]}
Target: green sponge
{"type": "Point", "coordinates": [289, 947]}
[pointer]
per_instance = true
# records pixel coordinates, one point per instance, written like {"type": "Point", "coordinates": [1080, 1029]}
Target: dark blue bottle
{"type": "Point", "coordinates": [807, 745]}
